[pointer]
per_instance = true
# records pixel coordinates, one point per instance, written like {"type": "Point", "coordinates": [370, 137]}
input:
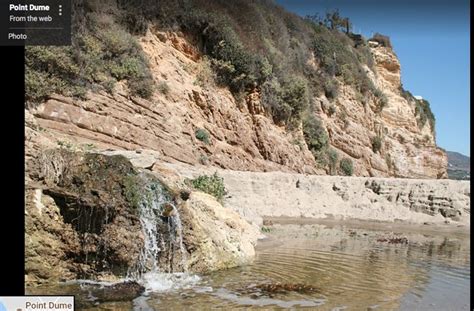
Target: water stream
{"type": "Point", "coordinates": [163, 260]}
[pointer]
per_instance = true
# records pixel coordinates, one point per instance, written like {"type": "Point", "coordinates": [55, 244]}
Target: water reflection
{"type": "Point", "coordinates": [348, 268]}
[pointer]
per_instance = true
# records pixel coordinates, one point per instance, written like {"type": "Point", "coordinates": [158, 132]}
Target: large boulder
{"type": "Point", "coordinates": [216, 237]}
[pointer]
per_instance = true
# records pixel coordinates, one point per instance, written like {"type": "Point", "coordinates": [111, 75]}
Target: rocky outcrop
{"type": "Point", "coordinates": [95, 216]}
{"type": "Point", "coordinates": [217, 237]}
{"type": "Point", "coordinates": [242, 134]}
{"type": "Point", "coordinates": [407, 150]}
{"type": "Point", "coordinates": [80, 224]}
{"type": "Point", "coordinates": [275, 194]}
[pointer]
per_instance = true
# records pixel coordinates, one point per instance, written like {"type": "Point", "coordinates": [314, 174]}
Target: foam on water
{"type": "Point", "coordinates": [163, 282]}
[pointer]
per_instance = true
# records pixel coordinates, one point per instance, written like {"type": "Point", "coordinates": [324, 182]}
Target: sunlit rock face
{"type": "Point", "coordinates": [242, 135]}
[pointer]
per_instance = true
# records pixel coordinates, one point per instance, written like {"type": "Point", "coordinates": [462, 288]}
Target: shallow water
{"type": "Point", "coordinates": [321, 267]}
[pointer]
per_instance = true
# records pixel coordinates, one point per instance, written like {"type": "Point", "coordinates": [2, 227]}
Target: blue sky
{"type": "Point", "coordinates": [431, 39]}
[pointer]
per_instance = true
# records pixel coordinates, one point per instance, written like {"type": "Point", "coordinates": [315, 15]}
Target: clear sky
{"type": "Point", "coordinates": [431, 39]}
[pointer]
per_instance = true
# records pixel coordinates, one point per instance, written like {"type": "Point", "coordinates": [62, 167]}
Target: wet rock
{"type": "Point", "coordinates": [85, 222]}
{"type": "Point", "coordinates": [270, 289]}
{"type": "Point", "coordinates": [287, 287]}
{"type": "Point", "coordinates": [125, 291]}
{"type": "Point", "coordinates": [168, 210]}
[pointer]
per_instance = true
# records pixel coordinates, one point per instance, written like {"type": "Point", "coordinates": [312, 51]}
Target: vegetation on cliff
{"type": "Point", "coordinates": [422, 109]}
{"type": "Point", "coordinates": [213, 185]}
{"type": "Point", "coordinates": [102, 53]}
{"type": "Point", "coordinates": [246, 46]}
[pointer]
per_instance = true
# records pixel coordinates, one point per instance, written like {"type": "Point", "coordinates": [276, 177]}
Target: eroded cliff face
{"type": "Point", "coordinates": [242, 135]}
{"type": "Point", "coordinates": [407, 149]}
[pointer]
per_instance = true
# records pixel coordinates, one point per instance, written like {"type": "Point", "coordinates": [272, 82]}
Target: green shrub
{"type": "Point", "coordinates": [338, 57]}
{"type": "Point", "coordinates": [376, 144]}
{"type": "Point", "coordinates": [344, 118]}
{"type": "Point", "coordinates": [331, 110]}
{"type": "Point", "coordinates": [382, 102]}
{"type": "Point", "coordinates": [135, 23]}
{"type": "Point", "coordinates": [235, 66]}
{"type": "Point", "coordinates": [315, 135]}
{"type": "Point", "coordinates": [331, 89]}
{"type": "Point", "coordinates": [66, 145]}
{"type": "Point", "coordinates": [388, 161]}
{"type": "Point", "coordinates": [163, 87]}
{"type": "Point", "coordinates": [295, 95]}
{"type": "Point", "coordinates": [424, 113]}
{"type": "Point", "coordinates": [50, 70]}
{"type": "Point", "coordinates": [321, 158]}
{"type": "Point", "coordinates": [204, 159]}
{"type": "Point", "coordinates": [365, 55]}
{"type": "Point", "coordinates": [102, 53]}
{"type": "Point", "coordinates": [203, 136]}
{"type": "Point", "coordinates": [272, 99]}
{"type": "Point", "coordinates": [333, 158]}
{"type": "Point", "coordinates": [286, 100]}
{"type": "Point", "coordinates": [143, 88]}
{"type": "Point", "coordinates": [406, 94]}
{"type": "Point", "coordinates": [346, 166]}
{"type": "Point", "coordinates": [213, 185]}
{"type": "Point", "coordinates": [380, 97]}
{"type": "Point", "coordinates": [376, 91]}
{"type": "Point", "coordinates": [205, 75]}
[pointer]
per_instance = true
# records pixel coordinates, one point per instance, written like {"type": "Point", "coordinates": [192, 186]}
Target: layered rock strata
{"type": "Point", "coordinates": [242, 135]}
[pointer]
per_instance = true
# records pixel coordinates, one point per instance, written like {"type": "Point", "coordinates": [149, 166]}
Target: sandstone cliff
{"type": "Point", "coordinates": [408, 150]}
{"type": "Point", "coordinates": [240, 131]}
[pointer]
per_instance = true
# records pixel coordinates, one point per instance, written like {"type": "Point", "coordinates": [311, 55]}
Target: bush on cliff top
{"type": "Point", "coordinates": [213, 185]}
{"type": "Point", "coordinates": [102, 52]}
{"type": "Point", "coordinates": [422, 109]}
{"type": "Point", "coordinates": [339, 57]}
{"type": "Point", "coordinates": [382, 40]}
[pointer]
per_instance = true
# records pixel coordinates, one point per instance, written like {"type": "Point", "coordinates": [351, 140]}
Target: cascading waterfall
{"type": "Point", "coordinates": [163, 254]}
